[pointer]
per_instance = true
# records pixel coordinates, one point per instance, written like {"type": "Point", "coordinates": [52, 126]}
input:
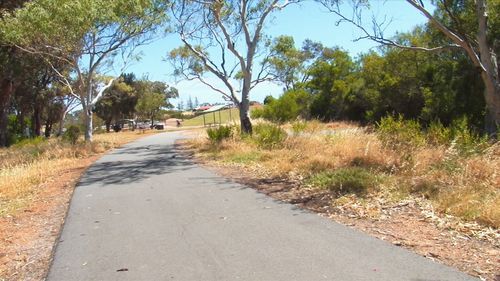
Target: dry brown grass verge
{"type": "Point", "coordinates": [36, 184]}
{"type": "Point", "coordinates": [430, 199]}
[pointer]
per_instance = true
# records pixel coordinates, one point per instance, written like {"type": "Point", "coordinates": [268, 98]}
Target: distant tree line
{"type": "Point", "coordinates": [53, 54]}
{"type": "Point", "coordinates": [129, 98]}
{"type": "Point", "coordinates": [328, 84]}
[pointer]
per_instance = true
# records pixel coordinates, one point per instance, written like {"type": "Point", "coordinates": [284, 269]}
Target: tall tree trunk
{"type": "Point", "coordinates": [6, 90]}
{"type": "Point", "coordinates": [489, 71]}
{"type": "Point", "coordinates": [48, 128]}
{"type": "Point", "coordinates": [108, 126]}
{"type": "Point", "coordinates": [61, 123]}
{"type": "Point", "coordinates": [246, 124]}
{"type": "Point", "coordinates": [244, 105]}
{"type": "Point", "coordinates": [87, 108]}
{"type": "Point", "coordinates": [22, 123]}
{"type": "Point", "coordinates": [88, 124]}
{"type": "Point", "coordinates": [492, 117]}
{"type": "Point", "coordinates": [37, 120]}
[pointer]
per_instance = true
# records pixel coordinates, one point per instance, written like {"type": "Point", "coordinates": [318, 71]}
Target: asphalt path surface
{"type": "Point", "coordinates": [145, 212]}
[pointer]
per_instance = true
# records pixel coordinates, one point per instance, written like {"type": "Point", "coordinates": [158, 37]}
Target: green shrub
{"type": "Point", "coordinates": [72, 134]}
{"type": "Point", "coordinates": [291, 105]}
{"type": "Point", "coordinates": [397, 132]}
{"type": "Point", "coordinates": [269, 136]}
{"type": "Point", "coordinates": [216, 135]}
{"type": "Point", "coordinates": [437, 134]}
{"type": "Point", "coordinates": [466, 140]}
{"type": "Point", "coordinates": [30, 142]}
{"type": "Point", "coordinates": [257, 113]}
{"type": "Point", "coordinates": [299, 127]}
{"type": "Point", "coordinates": [350, 180]}
{"type": "Point", "coordinates": [31, 147]}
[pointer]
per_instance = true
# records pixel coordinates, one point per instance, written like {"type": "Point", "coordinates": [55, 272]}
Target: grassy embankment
{"type": "Point", "coordinates": [459, 177]}
{"type": "Point", "coordinates": [27, 166]}
{"type": "Point", "coordinates": [226, 116]}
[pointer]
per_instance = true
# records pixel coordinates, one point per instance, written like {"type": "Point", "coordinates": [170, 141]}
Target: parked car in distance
{"type": "Point", "coordinates": [158, 126]}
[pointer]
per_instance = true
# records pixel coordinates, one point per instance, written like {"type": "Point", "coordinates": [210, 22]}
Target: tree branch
{"type": "Point", "coordinates": [101, 92]}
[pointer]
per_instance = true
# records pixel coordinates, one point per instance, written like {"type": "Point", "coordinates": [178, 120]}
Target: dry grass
{"type": "Point", "coordinates": [464, 186]}
{"type": "Point", "coordinates": [24, 169]}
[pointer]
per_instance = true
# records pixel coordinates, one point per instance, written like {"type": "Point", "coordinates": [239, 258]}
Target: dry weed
{"type": "Point", "coordinates": [463, 186]}
{"type": "Point", "coordinates": [24, 169]}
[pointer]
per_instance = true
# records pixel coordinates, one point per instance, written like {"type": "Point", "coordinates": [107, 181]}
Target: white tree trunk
{"type": "Point", "coordinates": [88, 127]}
{"type": "Point", "coordinates": [90, 101]}
{"type": "Point", "coordinates": [489, 71]}
{"type": "Point", "coordinates": [246, 123]}
{"type": "Point", "coordinates": [61, 123]}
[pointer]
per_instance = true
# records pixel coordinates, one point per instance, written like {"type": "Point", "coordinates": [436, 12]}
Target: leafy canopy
{"type": "Point", "coordinates": [59, 27]}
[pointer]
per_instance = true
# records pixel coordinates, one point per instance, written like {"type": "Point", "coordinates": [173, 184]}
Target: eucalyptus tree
{"type": "Point", "coordinates": [8, 71]}
{"type": "Point", "coordinates": [289, 64]}
{"type": "Point", "coordinates": [153, 96]}
{"type": "Point", "coordinates": [225, 38]}
{"type": "Point", "coordinates": [88, 35]}
{"type": "Point", "coordinates": [118, 101]}
{"type": "Point", "coordinates": [470, 26]}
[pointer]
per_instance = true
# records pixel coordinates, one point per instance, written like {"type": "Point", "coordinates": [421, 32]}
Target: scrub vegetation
{"type": "Point", "coordinates": [28, 165]}
{"type": "Point", "coordinates": [454, 169]}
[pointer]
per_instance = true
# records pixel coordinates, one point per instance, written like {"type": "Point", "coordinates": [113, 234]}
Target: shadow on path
{"type": "Point", "coordinates": [132, 164]}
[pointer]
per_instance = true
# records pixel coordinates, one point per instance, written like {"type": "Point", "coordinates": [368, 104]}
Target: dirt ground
{"type": "Point", "coordinates": [27, 239]}
{"type": "Point", "coordinates": [410, 224]}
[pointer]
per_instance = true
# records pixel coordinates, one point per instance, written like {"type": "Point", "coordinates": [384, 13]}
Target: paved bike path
{"type": "Point", "coordinates": [144, 212]}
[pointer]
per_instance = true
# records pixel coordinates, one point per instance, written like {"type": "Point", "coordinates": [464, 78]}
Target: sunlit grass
{"type": "Point", "coordinates": [466, 186]}
{"type": "Point", "coordinates": [226, 116]}
{"type": "Point", "coordinates": [24, 169]}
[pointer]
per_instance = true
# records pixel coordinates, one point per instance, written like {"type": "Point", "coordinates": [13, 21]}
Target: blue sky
{"type": "Point", "coordinates": [305, 21]}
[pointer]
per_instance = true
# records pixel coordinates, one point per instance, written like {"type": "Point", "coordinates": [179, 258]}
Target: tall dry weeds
{"type": "Point", "coordinates": [467, 186]}
{"type": "Point", "coordinates": [25, 168]}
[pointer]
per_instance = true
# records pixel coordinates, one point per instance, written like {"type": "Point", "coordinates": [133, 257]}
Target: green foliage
{"type": "Point", "coordinates": [153, 96]}
{"type": "Point", "coordinates": [350, 180]}
{"type": "Point", "coordinates": [118, 101]}
{"type": "Point", "coordinates": [257, 113]}
{"type": "Point", "coordinates": [48, 21]}
{"type": "Point", "coordinates": [465, 139]}
{"type": "Point", "coordinates": [72, 134]}
{"type": "Point", "coordinates": [290, 64]}
{"type": "Point", "coordinates": [397, 132]}
{"type": "Point", "coordinates": [185, 57]}
{"type": "Point", "coordinates": [269, 136]}
{"type": "Point", "coordinates": [335, 87]}
{"type": "Point", "coordinates": [419, 85]}
{"type": "Point", "coordinates": [438, 134]}
{"type": "Point", "coordinates": [30, 142]}
{"type": "Point", "coordinates": [299, 127]}
{"type": "Point", "coordinates": [218, 134]}
{"type": "Point", "coordinates": [289, 106]}
{"type": "Point", "coordinates": [76, 33]}
{"type": "Point", "coordinates": [269, 99]}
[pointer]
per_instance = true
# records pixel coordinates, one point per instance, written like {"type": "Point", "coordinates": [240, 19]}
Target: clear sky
{"type": "Point", "coordinates": [305, 21]}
